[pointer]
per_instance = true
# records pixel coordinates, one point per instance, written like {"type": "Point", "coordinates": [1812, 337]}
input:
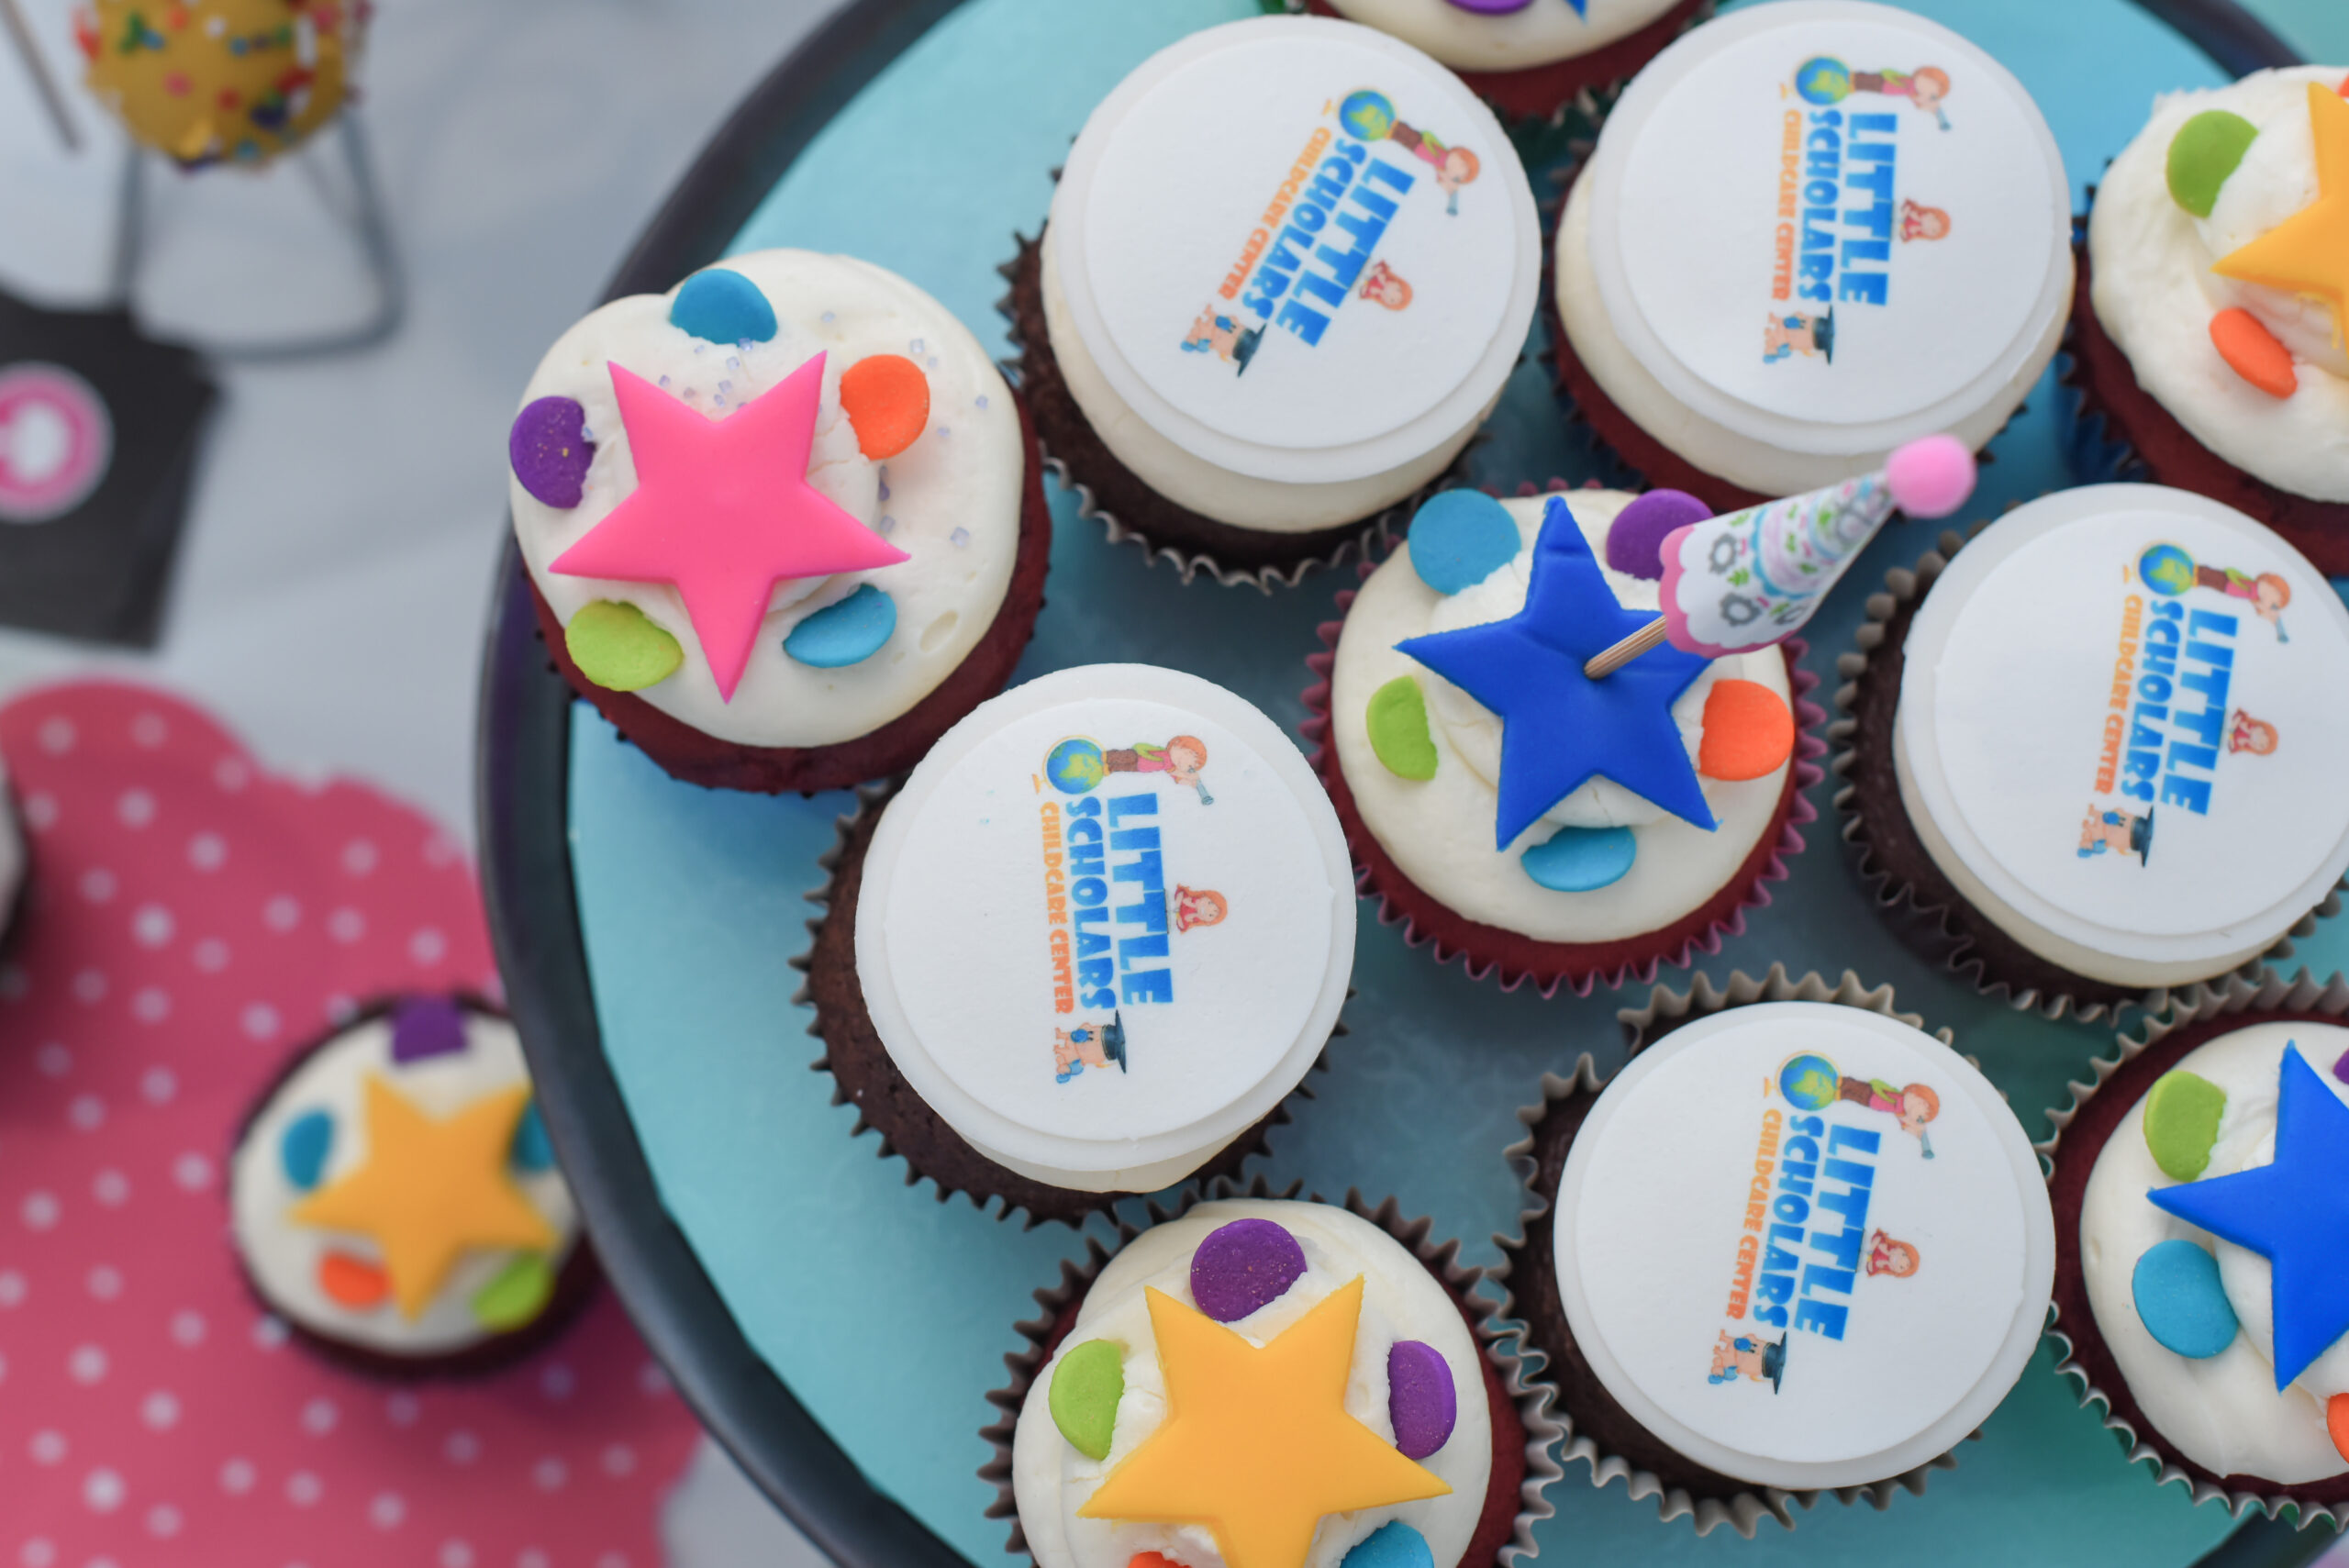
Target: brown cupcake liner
{"type": "Point", "coordinates": [699, 758]}
{"type": "Point", "coordinates": [1129, 511]}
{"type": "Point", "coordinates": [2069, 1155]}
{"type": "Point", "coordinates": [863, 1074]}
{"type": "Point", "coordinates": [1581, 966]}
{"type": "Point", "coordinates": [1915, 898]}
{"type": "Point", "coordinates": [1600, 1432]}
{"type": "Point", "coordinates": [2122, 431]}
{"type": "Point", "coordinates": [1519, 1409]}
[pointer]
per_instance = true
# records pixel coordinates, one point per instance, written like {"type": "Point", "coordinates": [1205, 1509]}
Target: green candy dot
{"type": "Point", "coordinates": [1087, 1387]}
{"type": "Point", "coordinates": [518, 1293]}
{"type": "Point", "coordinates": [616, 646]}
{"type": "Point", "coordinates": [2182, 1122]}
{"type": "Point", "coordinates": [2202, 154]}
{"type": "Point", "coordinates": [1397, 722]}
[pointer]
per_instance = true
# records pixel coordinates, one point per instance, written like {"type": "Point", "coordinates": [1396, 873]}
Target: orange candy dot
{"type": "Point", "coordinates": [886, 399]}
{"type": "Point", "coordinates": [1749, 732]}
{"type": "Point", "coordinates": [1160, 1559]}
{"type": "Point", "coordinates": [350, 1283]}
{"type": "Point", "coordinates": [2251, 351]}
{"type": "Point", "coordinates": [2336, 1422]}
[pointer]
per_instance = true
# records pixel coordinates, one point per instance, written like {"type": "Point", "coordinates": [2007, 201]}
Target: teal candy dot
{"type": "Point", "coordinates": [531, 1152]}
{"type": "Point", "coordinates": [303, 1147]}
{"type": "Point", "coordinates": [721, 306]}
{"type": "Point", "coordinates": [2180, 1300]}
{"type": "Point", "coordinates": [1461, 538]}
{"type": "Point", "coordinates": [846, 633]}
{"type": "Point", "coordinates": [1577, 859]}
{"type": "Point", "coordinates": [1392, 1545]}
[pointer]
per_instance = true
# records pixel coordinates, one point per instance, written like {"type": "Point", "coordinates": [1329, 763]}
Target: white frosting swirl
{"type": "Point", "coordinates": [1543, 32]}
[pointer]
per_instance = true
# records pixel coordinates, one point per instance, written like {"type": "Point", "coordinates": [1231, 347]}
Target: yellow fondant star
{"type": "Point", "coordinates": [2308, 253]}
{"type": "Point", "coordinates": [1257, 1445]}
{"type": "Point", "coordinates": [431, 1189]}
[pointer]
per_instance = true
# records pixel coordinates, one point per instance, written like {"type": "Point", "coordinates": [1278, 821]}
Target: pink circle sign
{"type": "Point", "coordinates": [55, 441]}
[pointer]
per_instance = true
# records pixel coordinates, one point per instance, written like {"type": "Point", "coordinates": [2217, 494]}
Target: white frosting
{"type": "Point", "coordinates": [1439, 831]}
{"type": "Point", "coordinates": [1672, 239]}
{"type": "Point", "coordinates": [1013, 917]}
{"type": "Point", "coordinates": [283, 1256]}
{"type": "Point", "coordinates": [1730, 1184]}
{"type": "Point", "coordinates": [1544, 32]}
{"type": "Point", "coordinates": [2224, 1412]}
{"type": "Point", "coordinates": [2032, 689]}
{"type": "Point", "coordinates": [2155, 292]}
{"type": "Point", "coordinates": [954, 501]}
{"type": "Point", "coordinates": [1401, 1301]}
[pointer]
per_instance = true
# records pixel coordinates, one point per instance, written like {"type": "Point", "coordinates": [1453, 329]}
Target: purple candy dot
{"type": "Point", "coordinates": [549, 450]}
{"type": "Point", "coordinates": [1419, 1400]}
{"type": "Point", "coordinates": [1635, 544]}
{"type": "Point", "coordinates": [426, 1027]}
{"type": "Point", "coordinates": [2340, 1067]}
{"type": "Point", "coordinates": [1242, 1265]}
{"type": "Point", "coordinates": [1492, 8]}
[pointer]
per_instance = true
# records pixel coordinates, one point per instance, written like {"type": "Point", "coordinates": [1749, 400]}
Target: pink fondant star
{"type": "Point", "coordinates": [723, 511]}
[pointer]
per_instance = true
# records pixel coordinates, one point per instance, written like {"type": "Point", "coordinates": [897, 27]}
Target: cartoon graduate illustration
{"type": "Point", "coordinates": [1886, 1256]}
{"type": "Point", "coordinates": [1212, 332]}
{"type": "Point", "coordinates": [1912, 1106]}
{"type": "Point", "coordinates": [1823, 80]}
{"type": "Point", "coordinates": [2108, 829]}
{"type": "Point", "coordinates": [1749, 1356]}
{"type": "Point", "coordinates": [1784, 336]}
{"type": "Point", "coordinates": [2255, 735]}
{"type": "Point", "coordinates": [1089, 1045]}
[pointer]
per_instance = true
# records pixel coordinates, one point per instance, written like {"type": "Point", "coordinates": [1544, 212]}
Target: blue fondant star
{"type": "Point", "coordinates": [1559, 727]}
{"type": "Point", "coordinates": [2293, 1212]}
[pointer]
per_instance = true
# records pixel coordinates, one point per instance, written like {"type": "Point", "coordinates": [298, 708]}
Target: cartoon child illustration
{"type": "Point", "coordinates": [1749, 1356]}
{"type": "Point", "coordinates": [2255, 735]}
{"type": "Point", "coordinates": [1180, 760]}
{"type": "Point", "coordinates": [1912, 1107]}
{"type": "Point", "coordinates": [1214, 333]}
{"type": "Point", "coordinates": [2124, 831]}
{"type": "Point", "coordinates": [1923, 222]}
{"type": "Point", "coordinates": [2168, 570]}
{"type": "Point", "coordinates": [1089, 1045]}
{"type": "Point", "coordinates": [1784, 337]}
{"type": "Point", "coordinates": [1886, 1256]}
{"type": "Point", "coordinates": [1198, 907]}
{"type": "Point", "coordinates": [1823, 78]}
{"type": "Point", "coordinates": [1454, 166]}
{"type": "Point", "coordinates": [1382, 285]}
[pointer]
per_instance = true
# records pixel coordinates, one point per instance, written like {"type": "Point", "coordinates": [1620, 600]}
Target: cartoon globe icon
{"type": "Point", "coordinates": [2166, 569]}
{"type": "Point", "coordinates": [1366, 116]}
{"type": "Point", "coordinates": [1075, 766]}
{"type": "Point", "coordinates": [1823, 78]}
{"type": "Point", "coordinates": [1809, 1082]}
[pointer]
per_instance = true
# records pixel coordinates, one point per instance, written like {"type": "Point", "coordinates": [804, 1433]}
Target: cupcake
{"type": "Point", "coordinates": [2197, 1198]}
{"type": "Point", "coordinates": [394, 1201]}
{"type": "Point", "coordinates": [2209, 337]}
{"type": "Point", "coordinates": [1535, 823]}
{"type": "Point", "coordinates": [782, 524]}
{"type": "Point", "coordinates": [1808, 234]}
{"type": "Point", "coordinates": [1528, 57]}
{"type": "Point", "coordinates": [1289, 266]}
{"type": "Point", "coordinates": [1796, 1245]}
{"type": "Point", "coordinates": [2096, 750]}
{"type": "Point", "coordinates": [1269, 1385]}
{"type": "Point", "coordinates": [1092, 944]}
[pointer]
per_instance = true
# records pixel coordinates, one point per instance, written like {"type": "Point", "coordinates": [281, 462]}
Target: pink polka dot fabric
{"type": "Point", "coordinates": [192, 920]}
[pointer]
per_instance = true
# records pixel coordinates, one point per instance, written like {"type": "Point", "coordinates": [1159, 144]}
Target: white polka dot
{"type": "Point", "coordinates": [612, 1559]}
{"type": "Point", "coordinates": [152, 924]}
{"type": "Point", "coordinates": [149, 730]}
{"type": "Point", "coordinates": [158, 1084]}
{"type": "Point", "coordinates": [163, 1521]}
{"type": "Point", "coordinates": [211, 955]}
{"type": "Point", "coordinates": [341, 1009]}
{"type": "Point", "coordinates": [402, 1410]}
{"type": "Point", "coordinates": [456, 1554]}
{"type": "Point", "coordinates": [387, 1510]}
{"type": "Point", "coordinates": [46, 1446]}
{"type": "Point", "coordinates": [187, 1327]}
{"type": "Point", "coordinates": [281, 913]}
{"type": "Point", "coordinates": [269, 1331]}
{"type": "Point", "coordinates": [106, 1282]}
{"type": "Point", "coordinates": [231, 773]}
{"type": "Point", "coordinates": [87, 1113]}
{"type": "Point", "coordinates": [346, 925]}
{"type": "Point", "coordinates": [462, 1448]}
{"type": "Point", "coordinates": [101, 1562]}
{"type": "Point", "coordinates": [531, 1557]}
{"type": "Point", "coordinates": [237, 1477]}
{"type": "Point", "coordinates": [260, 1021]}
{"type": "Point", "coordinates": [37, 1553]}
{"type": "Point", "coordinates": [98, 885]}
{"type": "Point", "coordinates": [136, 807]}
{"type": "Point", "coordinates": [359, 857]}
{"type": "Point", "coordinates": [40, 1210]}
{"type": "Point", "coordinates": [55, 1060]}
{"type": "Point", "coordinates": [192, 1171]}
{"type": "Point", "coordinates": [558, 1381]}
{"type": "Point", "coordinates": [428, 946]}
{"type": "Point", "coordinates": [88, 1364]}
{"type": "Point", "coordinates": [319, 1416]}
{"type": "Point", "coordinates": [651, 1379]}
{"type": "Point", "coordinates": [303, 1489]}
{"type": "Point", "coordinates": [440, 850]}
{"type": "Point", "coordinates": [619, 1459]}
{"type": "Point", "coordinates": [151, 1005]}
{"type": "Point", "coordinates": [40, 811]}
{"type": "Point", "coordinates": [57, 736]}
{"type": "Point", "coordinates": [161, 1410]}
{"type": "Point", "coordinates": [110, 1187]}
{"type": "Point", "coordinates": [102, 1491]}
{"type": "Point", "coordinates": [12, 1288]}
{"type": "Point", "coordinates": [90, 986]}
{"type": "Point", "coordinates": [207, 852]}
{"type": "Point", "coordinates": [550, 1474]}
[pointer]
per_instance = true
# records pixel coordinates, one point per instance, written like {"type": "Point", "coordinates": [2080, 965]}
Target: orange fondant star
{"type": "Point", "coordinates": [2308, 253]}
{"type": "Point", "coordinates": [429, 1190]}
{"type": "Point", "coordinates": [1257, 1445]}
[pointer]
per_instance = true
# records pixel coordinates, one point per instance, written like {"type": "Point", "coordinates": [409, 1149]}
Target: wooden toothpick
{"type": "Point", "coordinates": [1613, 659]}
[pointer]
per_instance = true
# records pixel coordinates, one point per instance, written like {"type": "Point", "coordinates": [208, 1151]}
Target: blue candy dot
{"type": "Point", "coordinates": [1461, 538]}
{"type": "Point", "coordinates": [843, 634]}
{"type": "Point", "coordinates": [304, 1147]}
{"type": "Point", "coordinates": [1576, 860]}
{"type": "Point", "coordinates": [2181, 1301]}
{"type": "Point", "coordinates": [1392, 1545]}
{"type": "Point", "coordinates": [531, 1152]}
{"type": "Point", "coordinates": [719, 306]}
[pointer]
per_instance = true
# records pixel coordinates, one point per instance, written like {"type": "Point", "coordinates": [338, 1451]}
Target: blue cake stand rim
{"type": "Point", "coordinates": [522, 800]}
